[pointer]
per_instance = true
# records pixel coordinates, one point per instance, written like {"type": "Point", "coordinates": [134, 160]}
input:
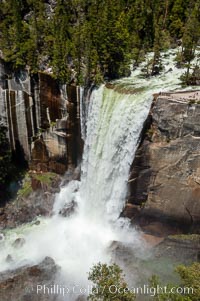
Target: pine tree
{"type": "Point", "coordinates": [91, 40]}
{"type": "Point", "coordinates": [62, 24]}
{"type": "Point", "coordinates": [11, 28]}
{"type": "Point", "coordinates": [191, 37]}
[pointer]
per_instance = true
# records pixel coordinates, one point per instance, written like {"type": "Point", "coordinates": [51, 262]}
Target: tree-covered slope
{"type": "Point", "coordinates": [95, 39]}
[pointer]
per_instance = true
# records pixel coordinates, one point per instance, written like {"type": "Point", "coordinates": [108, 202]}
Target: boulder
{"type": "Point", "coordinates": [19, 242]}
{"type": "Point", "coordinates": [68, 209]}
{"type": "Point", "coordinates": [22, 283]}
{"type": "Point", "coordinates": [9, 258]}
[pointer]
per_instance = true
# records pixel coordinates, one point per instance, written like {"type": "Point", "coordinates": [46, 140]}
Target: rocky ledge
{"type": "Point", "coordinates": [165, 175]}
{"type": "Point", "coordinates": [35, 198]}
{"type": "Point", "coordinates": [22, 283]}
{"type": "Point", "coordinates": [182, 248]}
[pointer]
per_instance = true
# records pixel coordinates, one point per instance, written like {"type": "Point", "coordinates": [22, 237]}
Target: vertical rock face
{"type": "Point", "coordinates": [16, 110]}
{"type": "Point", "coordinates": [51, 105]}
{"type": "Point", "coordinates": [75, 143]}
{"type": "Point", "coordinates": [42, 119]}
{"type": "Point", "coordinates": [49, 148]}
{"type": "Point", "coordinates": [165, 175]}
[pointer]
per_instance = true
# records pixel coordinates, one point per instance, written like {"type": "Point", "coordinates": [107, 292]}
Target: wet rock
{"type": "Point", "coordinates": [22, 283]}
{"type": "Point", "coordinates": [182, 248]}
{"type": "Point", "coordinates": [19, 242]}
{"type": "Point", "coordinates": [114, 245]}
{"type": "Point", "coordinates": [169, 70]}
{"type": "Point", "coordinates": [68, 209]}
{"type": "Point", "coordinates": [156, 70]}
{"type": "Point", "coordinates": [72, 174]}
{"type": "Point", "coordinates": [37, 223]}
{"type": "Point", "coordinates": [130, 210]}
{"type": "Point", "coordinates": [9, 258]}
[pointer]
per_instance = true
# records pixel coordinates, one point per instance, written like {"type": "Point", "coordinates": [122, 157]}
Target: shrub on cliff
{"type": "Point", "coordinates": [187, 290]}
{"type": "Point", "coordinates": [109, 284]}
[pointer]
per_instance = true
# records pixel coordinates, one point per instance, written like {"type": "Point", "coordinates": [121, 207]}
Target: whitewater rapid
{"type": "Point", "coordinates": [114, 122]}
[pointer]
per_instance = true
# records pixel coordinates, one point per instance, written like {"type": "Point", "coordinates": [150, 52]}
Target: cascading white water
{"type": "Point", "coordinates": [114, 123]}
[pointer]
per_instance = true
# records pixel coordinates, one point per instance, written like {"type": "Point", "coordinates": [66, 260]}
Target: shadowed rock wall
{"type": "Point", "coordinates": [42, 118]}
{"type": "Point", "coordinates": [165, 174]}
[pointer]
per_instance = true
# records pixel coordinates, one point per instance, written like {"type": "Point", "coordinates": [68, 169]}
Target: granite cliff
{"type": "Point", "coordinates": [42, 119]}
{"type": "Point", "coordinates": [165, 174]}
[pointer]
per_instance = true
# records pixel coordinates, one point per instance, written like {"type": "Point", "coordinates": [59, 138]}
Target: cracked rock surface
{"type": "Point", "coordinates": [165, 175]}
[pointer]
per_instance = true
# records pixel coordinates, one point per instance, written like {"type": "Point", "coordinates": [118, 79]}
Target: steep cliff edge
{"type": "Point", "coordinates": [165, 175]}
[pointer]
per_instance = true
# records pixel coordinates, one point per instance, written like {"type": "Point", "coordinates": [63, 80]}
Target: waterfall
{"type": "Point", "coordinates": [76, 242]}
{"type": "Point", "coordinates": [114, 124]}
{"type": "Point", "coordinates": [115, 117]}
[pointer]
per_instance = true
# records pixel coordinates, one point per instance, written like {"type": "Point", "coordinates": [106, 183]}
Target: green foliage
{"type": "Point", "coordinates": [108, 278]}
{"type": "Point", "coordinates": [187, 290]}
{"type": "Point", "coordinates": [89, 41]}
{"type": "Point", "coordinates": [190, 277]}
{"type": "Point", "coordinates": [166, 294]}
{"type": "Point", "coordinates": [191, 36]}
{"type": "Point", "coordinates": [191, 78]}
{"type": "Point", "coordinates": [186, 237]}
{"type": "Point", "coordinates": [191, 33]}
{"type": "Point", "coordinates": [194, 77]}
{"type": "Point", "coordinates": [178, 17]}
{"type": "Point", "coordinates": [26, 188]}
{"type": "Point", "coordinates": [44, 178]}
